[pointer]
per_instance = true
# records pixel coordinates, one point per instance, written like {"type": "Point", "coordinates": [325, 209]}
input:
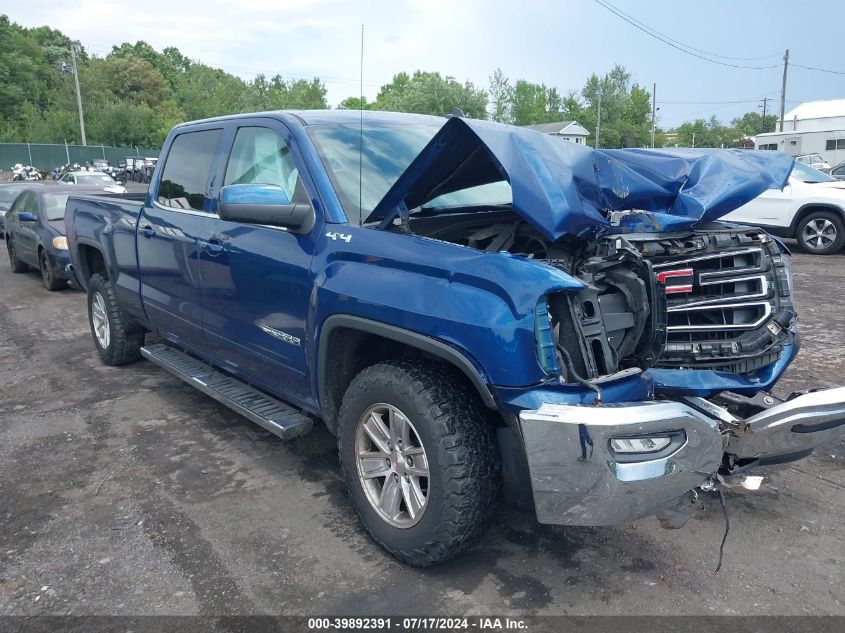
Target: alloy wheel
{"type": "Point", "coordinates": [819, 234]}
{"type": "Point", "coordinates": [100, 321]}
{"type": "Point", "coordinates": [392, 465]}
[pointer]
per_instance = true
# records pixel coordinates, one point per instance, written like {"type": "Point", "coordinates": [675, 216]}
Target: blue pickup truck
{"type": "Point", "coordinates": [480, 313]}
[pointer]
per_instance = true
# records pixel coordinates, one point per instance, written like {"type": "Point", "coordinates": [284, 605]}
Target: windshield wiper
{"type": "Point", "coordinates": [498, 206]}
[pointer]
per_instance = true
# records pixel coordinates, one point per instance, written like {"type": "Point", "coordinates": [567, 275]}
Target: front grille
{"type": "Point", "coordinates": [727, 309]}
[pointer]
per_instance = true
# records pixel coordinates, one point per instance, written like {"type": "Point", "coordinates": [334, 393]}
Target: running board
{"type": "Point", "coordinates": [275, 416]}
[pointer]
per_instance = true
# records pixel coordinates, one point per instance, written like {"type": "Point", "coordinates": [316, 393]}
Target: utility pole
{"type": "Point", "coordinates": [783, 88]}
{"type": "Point", "coordinates": [653, 112]}
{"type": "Point", "coordinates": [763, 122]}
{"type": "Point", "coordinates": [78, 94]}
{"type": "Point", "coordinates": [693, 139]}
{"type": "Point", "coordinates": [598, 120]}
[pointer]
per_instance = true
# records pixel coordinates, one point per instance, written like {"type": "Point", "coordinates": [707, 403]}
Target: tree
{"type": "Point", "coordinates": [298, 94]}
{"type": "Point", "coordinates": [501, 97]}
{"type": "Point", "coordinates": [353, 103]}
{"type": "Point", "coordinates": [708, 133]}
{"type": "Point", "coordinates": [625, 109]}
{"type": "Point", "coordinates": [753, 123]}
{"type": "Point", "coordinates": [135, 80]}
{"type": "Point", "coordinates": [635, 124]}
{"type": "Point", "coordinates": [431, 93]}
{"type": "Point", "coordinates": [140, 50]}
{"type": "Point", "coordinates": [529, 103]}
{"type": "Point", "coordinates": [26, 74]}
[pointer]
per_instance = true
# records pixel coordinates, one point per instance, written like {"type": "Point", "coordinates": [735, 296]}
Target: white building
{"type": "Point", "coordinates": [567, 130]}
{"type": "Point", "coordinates": [815, 127]}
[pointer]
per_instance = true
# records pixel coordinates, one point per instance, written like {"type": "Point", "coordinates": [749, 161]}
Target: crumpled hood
{"type": "Point", "coordinates": [563, 188]}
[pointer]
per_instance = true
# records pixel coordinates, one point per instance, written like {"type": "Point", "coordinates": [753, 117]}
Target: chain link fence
{"type": "Point", "coordinates": [45, 156]}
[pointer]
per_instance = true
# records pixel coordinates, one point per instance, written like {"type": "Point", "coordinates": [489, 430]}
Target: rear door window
{"type": "Point", "coordinates": [184, 180]}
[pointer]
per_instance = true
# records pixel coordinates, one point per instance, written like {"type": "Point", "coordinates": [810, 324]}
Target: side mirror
{"type": "Point", "coordinates": [26, 216]}
{"type": "Point", "coordinates": [264, 204]}
{"type": "Point", "coordinates": [119, 182]}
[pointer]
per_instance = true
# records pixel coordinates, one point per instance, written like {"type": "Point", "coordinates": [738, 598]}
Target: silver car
{"type": "Point", "coordinates": [838, 171]}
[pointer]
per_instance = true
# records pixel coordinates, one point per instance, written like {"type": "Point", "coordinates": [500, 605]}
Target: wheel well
{"type": "Point", "coordinates": [349, 350]}
{"type": "Point", "coordinates": [804, 211]}
{"type": "Point", "coordinates": [92, 262]}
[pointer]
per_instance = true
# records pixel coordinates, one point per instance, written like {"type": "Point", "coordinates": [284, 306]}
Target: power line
{"type": "Point", "coordinates": [674, 44]}
{"type": "Point", "coordinates": [693, 48]}
{"type": "Point", "coordinates": [663, 102]}
{"type": "Point", "coordinates": [687, 116]}
{"type": "Point", "coordinates": [821, 70]}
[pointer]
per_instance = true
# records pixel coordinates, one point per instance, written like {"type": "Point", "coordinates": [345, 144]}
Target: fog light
{"type": "Point", "coordinates": [628, 445]}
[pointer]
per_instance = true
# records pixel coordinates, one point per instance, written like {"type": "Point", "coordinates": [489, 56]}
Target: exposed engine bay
{"type": "Point", "coordinates": [717, 297]}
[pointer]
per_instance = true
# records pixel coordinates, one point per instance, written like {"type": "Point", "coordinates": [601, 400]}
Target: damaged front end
{"type": "Point", "coordinates": [607, 464]}
{"type": "Point", "coordinates": [656, 368]}
{"type": "Point", "coordinates": [715, 299]}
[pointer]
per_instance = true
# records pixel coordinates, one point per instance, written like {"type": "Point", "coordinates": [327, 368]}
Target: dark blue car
{"type": "Point", "coordinates": [35, 233]}
{"type": "Point", "coordinates": [8, 192]}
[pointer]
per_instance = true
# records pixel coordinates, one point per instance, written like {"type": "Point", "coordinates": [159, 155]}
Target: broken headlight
{"type": "Point", "coordinates": [544, 338]}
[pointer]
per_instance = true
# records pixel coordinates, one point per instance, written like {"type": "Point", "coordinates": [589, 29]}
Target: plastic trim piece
{"type": "Point", "coordinates": [412, 339]}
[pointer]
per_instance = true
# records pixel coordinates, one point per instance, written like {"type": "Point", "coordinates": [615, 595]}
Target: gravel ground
{"type": "Point", "coordinates": [124, 491]}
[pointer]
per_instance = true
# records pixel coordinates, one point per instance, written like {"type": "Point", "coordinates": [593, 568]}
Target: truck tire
{"type": "Point", "coordinates": [17, 265]}
{"type": "Point", "coordinates": [821, 233]}
{"type": "Point", "coordinates": [115, 341]}
{"type": "Point", "coordinates": [419, 459]}
{"type": "Point", "coordinates": [48, 275]}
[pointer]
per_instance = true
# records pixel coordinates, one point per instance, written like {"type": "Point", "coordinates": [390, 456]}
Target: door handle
{"type": "Point", "coordinates": [148, 231]}
{"type": "Point", "coordinates": [215, 245]}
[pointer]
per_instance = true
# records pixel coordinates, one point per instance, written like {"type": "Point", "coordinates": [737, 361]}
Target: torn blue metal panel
{"type": "Point", "coordinates": [563, 188]}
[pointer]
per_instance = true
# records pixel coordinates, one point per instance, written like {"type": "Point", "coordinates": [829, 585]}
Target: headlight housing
{"type": "Point", "coordinates": [544, 338]}
{"type": "Point", "coordinates": [60, 243]}
{"type": "Point", "coordinates": [787, 268]}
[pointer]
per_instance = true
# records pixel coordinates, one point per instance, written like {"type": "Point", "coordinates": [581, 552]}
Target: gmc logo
{"type": "Point", "coordinates": [680, 275]}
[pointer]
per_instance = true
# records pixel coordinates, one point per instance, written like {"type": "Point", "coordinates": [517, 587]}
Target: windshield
{"type": "Point", "coordinates": [94, 179]}
{"type": "Point", "coordinates": [385, 153]}
{"type": "Point", "coordinates": [8, 194]}
{"type": "Point", "coordinates": [810, 159]}
{"type": "Point", "coordinates": [805, 173]}
{"type": "Point", "coordinates": [54, 206]}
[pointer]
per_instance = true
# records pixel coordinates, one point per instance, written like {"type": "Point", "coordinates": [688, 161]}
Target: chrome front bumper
{"type": "Point", "coordinates": [796, 425]}
{"type": "Point", "coordinates": [577, 479]}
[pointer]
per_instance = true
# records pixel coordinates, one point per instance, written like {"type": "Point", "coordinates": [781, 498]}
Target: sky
{"type": "Point", "coordinates": [557, 43]}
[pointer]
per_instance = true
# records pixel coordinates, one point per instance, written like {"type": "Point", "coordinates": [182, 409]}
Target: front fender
{"type": "Point", "coordinates": [470, 300]}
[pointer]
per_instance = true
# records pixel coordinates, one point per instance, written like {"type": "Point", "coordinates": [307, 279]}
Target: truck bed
{"type": "Point", "coordinates": [101, 238]}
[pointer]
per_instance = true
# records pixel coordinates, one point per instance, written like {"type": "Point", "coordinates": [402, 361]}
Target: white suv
{"type": "Point", "coordinates": [811, 209]}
